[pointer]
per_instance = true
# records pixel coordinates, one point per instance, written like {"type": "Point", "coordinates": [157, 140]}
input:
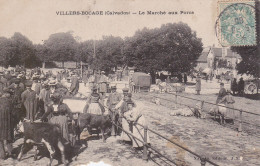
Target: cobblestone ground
{"type": "Point", "coordinates": [220, 144]}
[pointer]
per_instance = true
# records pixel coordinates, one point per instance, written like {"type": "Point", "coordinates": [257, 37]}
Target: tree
{"type": "Point", "coordinates": [6, 52]}
{"type": "Point", "coordinates": [61, 47]}
{"type": "Point", "coordinates": [108, 53]}
{"type": "Point", "coordinates": [18, 50]}
{"type": "Point", "coordinates": [172, 47]}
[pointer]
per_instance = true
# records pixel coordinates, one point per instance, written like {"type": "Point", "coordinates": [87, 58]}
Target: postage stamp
{"type": "Point", "coordinates": [236, 24]}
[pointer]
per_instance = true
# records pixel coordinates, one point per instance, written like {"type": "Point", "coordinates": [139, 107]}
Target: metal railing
{"type": "Point", "coordinates": [240, 120]}
{"type": "Point", "coordinates": [203, 159]}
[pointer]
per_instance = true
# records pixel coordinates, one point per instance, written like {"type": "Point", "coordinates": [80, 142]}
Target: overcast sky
{"type": "Point", "coordinates": [37, 19]}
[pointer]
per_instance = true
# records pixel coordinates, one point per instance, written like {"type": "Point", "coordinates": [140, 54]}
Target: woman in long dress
{"type": "Point", "coordinates": [229, 101]}
{"type": "Point", "coordinates": [60, 113]}
{"type": "Point", "coordinates": [135, 115]}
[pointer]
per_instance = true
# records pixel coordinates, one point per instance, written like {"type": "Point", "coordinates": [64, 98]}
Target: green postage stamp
{"type": "Point", "coordinates": [236, 25]}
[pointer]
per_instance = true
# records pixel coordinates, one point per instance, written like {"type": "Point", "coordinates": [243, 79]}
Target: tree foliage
{"type": "Point", "coordinates": [61, 47]}
{"type": "Point", "coordinates": [172, 47]}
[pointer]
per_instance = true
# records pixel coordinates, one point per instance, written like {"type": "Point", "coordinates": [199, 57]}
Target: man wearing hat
{"type": "Point", "coordinates": [29, 101]}
{"type": "Point", "coordinates": [198, 84]}
{"type": "Point", "coordinates": [222, 92]}
{"type": "Point", "coordinates": [74, 88]}
{"type": "Point", "coordinates": [113, 99]}
{"type": "Point", "coordinates": [16, 92]}
{"type": "Point", "coordinates": [103, 84]}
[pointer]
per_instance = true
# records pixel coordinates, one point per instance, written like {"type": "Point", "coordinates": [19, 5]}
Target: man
{"type": "Point", "coordinates": [36, 86]}
{"type": "Point", "coordinates": [222, 93]}
{"type": "Point", "coordinates": [59, 77]}
{"type": "Point", "coordinates": [103, 84]}
{"type": "Point", "coordinates": [113, 99]}
{"type": "Point", "coordinates": [185, 78]}
{"type": "Point", "coordinates": [198, 84]}
{"type": "Point", "coordinates": [74, 88]}
{"type": "Point", "coordinates": [16, 91]}
{"type": "Point", "coordinates": [29, 101]}
{"type": "Point", "coordinates": [6, 133]}
{"type": "Point", "coordinates": [241, 86]}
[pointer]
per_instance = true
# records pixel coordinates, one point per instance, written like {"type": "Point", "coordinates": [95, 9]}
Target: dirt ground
{"type": "Point", "coordinates": [221, 144]}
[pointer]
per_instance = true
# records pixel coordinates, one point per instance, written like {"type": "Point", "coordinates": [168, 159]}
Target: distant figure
{"type": "Point", "coordinates": [198, 84]}
{"type": "Point", "coordinates": [241, 86]}
{"type": "Point", "coordinates": [234, 86]}
{"type": "Point", "coordinates": [185, 78]}
{"type": "Point", "coordinates": [103, 84]}
{"type": "Point", "coordinates": [179, 77]}
{"type": "Point", "coordinates": [85, 78]}
{"type": "Point", "coordinates": [211, 77]}
{"type": "Point", "coordinates": [222, 93]}
{"type": "Point", "coordinates": [74, 88]}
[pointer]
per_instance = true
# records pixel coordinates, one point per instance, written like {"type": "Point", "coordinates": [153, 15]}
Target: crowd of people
{"type": "Point", "coordinates": [35, 96]}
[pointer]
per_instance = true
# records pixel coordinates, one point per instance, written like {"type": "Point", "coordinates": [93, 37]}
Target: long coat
{"type": "Point", "coordinates": [5, 119]}
{"type": "Point", "coordinates": [29, 101]}
{"type": "Point", "coordinates": [74, 88]}
{"type": "Point", "coordinates": [103, 84]}
{"type": "Point", "coordinates": [228, 100]}
{"type": "Point", "coordinates": [198, 84]}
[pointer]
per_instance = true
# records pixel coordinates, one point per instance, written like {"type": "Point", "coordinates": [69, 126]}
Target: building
{"type": "Point", "coordinates": [211, 54]}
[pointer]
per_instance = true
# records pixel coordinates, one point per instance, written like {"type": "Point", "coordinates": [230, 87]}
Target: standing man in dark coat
{"type": "Point", "coordinates": [6, 132]}
{"type": "Point", "coordinates": [241, 86]}
{"type": "Point", "coordinates": [234, 86]}
{"type": "Point", "coordinates": [222, 93]}
{"type": "Point", "coordinates": [18, 112]}
{"type": "Point", "coordinates": [198, 84]}
{"type": "Point", "coordinates": [29, 101]}
{"type": "Point", "coordinates": [113, 99]}
{"type": "Point", "coordinates": [74, 88]}
{"type": "Point", "coordinates": [185, 78]}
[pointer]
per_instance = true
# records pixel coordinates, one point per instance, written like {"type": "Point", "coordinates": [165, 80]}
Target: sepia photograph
{"type": "Point", "coordinates": [129, 82]}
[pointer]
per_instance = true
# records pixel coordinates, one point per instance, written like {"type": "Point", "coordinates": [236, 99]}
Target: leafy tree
{"type": "Point", "coordinates": [108, 53]}
{"type": "Point", "coordinates": [6, 52]}
{"type": "Point", "coordinates": [18, 50]}
{"type": "Point", "coordinates": [172, 47]}
{"type": "Point", "coordinates": [61, 47]}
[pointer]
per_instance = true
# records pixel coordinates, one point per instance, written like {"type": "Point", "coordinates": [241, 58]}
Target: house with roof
{"type": "Point", "coordinates": [211, 54]}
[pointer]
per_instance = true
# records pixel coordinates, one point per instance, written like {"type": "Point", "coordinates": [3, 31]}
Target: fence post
{"type": "Point", "coordinates": [203, 161]}
{"type": "Point", "coordinates": [176, 96]}
{"type": "Point", "coordinates": [145, 155]}
{"type": "Point", "coordinates": [113, 130]}
{"type": "Point", "coordinates": [240, 122]}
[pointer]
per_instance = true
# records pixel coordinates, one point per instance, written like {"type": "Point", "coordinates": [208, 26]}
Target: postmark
{"type": "Point", "coordinates": [236, 25]}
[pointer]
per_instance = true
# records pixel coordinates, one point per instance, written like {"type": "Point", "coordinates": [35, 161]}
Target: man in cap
{"type": "Point", "coordinates": [29, 101]}
{"type": "Point", "coordinates": [74, 88]}
{"type": "Point", "coordinates": [16, 92]}
{"type": "Point", "coordinates": [113, 99]}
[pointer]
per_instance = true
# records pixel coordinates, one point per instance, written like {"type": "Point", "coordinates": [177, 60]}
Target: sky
{"type": "Point", "coordinates": [37, 19]}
